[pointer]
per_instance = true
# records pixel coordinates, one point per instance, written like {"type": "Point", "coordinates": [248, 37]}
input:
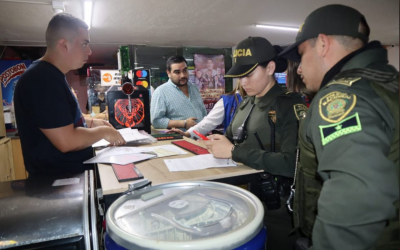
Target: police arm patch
{"type": "Point", "coordinates": [347, 126]}
{"type": "Point", "coordinates": [300, 111]}
{"type": "Point", "coordinates": [336, 105]}
{"type": "Point", "coordinates": [345, 81]}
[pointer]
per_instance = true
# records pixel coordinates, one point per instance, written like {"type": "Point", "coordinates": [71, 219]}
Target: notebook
{"type": "Point", "coordinates": [126, 172]}
{"type": "Point", "coordinates": [197, 150]}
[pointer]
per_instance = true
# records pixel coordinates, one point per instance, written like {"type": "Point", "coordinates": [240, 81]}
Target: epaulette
{"type": "Point", "coordinates": [388, 80]}
{"type": "Point", "coordinates": [245, 101]}
{"type": "Point", "coordinates": [346, 81]}
{"type": "Point", "coordinates": [290, 94]}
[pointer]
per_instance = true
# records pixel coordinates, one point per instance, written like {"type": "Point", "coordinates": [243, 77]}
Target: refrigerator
{"type": "Point", "coordinates": [49, 213]}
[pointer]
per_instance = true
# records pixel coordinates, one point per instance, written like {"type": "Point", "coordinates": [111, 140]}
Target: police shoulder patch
{"type": "Point", "coordinates": [336, 105]}
{"type": "Point", "coordinates": [345, 81]}
{"type": "Point", "coordinates": [300, 111]}
{"type": "Point", "coordinates": [347, 126]}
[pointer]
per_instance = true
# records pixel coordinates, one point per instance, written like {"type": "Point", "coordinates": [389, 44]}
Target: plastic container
{"type": "Point", "coordinates": [186, 215]}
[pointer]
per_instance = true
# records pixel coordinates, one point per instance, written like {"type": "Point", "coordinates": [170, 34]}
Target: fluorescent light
{"type": "Point", "coordinates": [189, 59]}
{"type": "Point", "coordinates": [88, 12]}
{"type": "Point", "coordinates": [139, 68]}
{"type": "Point", "coordinates": [276, 27]}
{"type": "Point", "coordinates": [155, 68]}
{"type": "Point", "coordinates": [58, 7]}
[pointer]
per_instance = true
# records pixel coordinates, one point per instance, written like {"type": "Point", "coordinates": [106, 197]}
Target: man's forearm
{"type": "Point", "coordinates": [176, 124]}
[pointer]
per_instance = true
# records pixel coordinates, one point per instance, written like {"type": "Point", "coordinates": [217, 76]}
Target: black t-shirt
{"type": "Point", "coordinates": [44, 100]}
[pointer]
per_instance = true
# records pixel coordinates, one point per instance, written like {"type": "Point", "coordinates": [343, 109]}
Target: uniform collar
{"type": "Point", "coordinates": [265, 100]}
{"type": "Point", "coordinates": [270, 96]}
{"type": "Point", "coordinates": [353, 60]}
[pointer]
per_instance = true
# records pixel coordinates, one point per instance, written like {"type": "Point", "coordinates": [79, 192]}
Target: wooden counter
{"type": "Point", "coordinates": [156, 171]}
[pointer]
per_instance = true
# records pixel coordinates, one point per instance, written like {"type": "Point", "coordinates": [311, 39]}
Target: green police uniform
{"type": "Point", "coordinates": [283, 108]}
{"type": "Point", "coordinates": [347, 181]}
{"type": "Point", "coordinates": [274, 118]}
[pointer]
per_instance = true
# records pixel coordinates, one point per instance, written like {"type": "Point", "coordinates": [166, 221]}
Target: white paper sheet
{"type": "Point", "coordinates": [121, 159]}
{"type": "Point", "coordinates": [128, 134]}
{"type": "Point", "coordinates": [125, 155]}
{"type": "Point", "coordinates": [161, 151]}
{"type": "Point", "coordinates": [198, 162]}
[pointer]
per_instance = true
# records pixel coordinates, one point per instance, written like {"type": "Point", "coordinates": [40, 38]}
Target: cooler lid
{"type": "Point", "coordinates": [185, 212]}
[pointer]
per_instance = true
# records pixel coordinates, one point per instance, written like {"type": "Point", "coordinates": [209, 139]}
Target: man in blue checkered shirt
{"type": "Point", "coordinates": [177, 103]}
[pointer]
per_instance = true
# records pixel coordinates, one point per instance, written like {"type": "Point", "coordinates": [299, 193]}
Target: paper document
{"type": "Point", "coordinates": [128, 134]}
{"type": "Point", "coordinates": [198, 162]}
{"type": "Point", "coordinates": [161, 151]}
{"type": "Point", "coordinates": [121, 159]}
{"type": "Point", "coordinates": [122, 155]}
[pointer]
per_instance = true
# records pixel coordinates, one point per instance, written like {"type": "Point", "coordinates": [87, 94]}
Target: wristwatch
{"type": "Point", "coordinates": [184, 125]}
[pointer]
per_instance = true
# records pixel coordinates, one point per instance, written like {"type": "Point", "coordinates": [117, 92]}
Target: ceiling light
{"type": "Point", "coordinates": [189, 59]}
{"type": "Point", "coordinates": [139, 68]}
{"type": "Point", "coordinates": [155, 68]}
{"type": "Point", "coordinates": [276, 27]}
{"type": "Point", "coordinates": [88, 12]}
{"type": "Point", "coordinates": [58, 7]}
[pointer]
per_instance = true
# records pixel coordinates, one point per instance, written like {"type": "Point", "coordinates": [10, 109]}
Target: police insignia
{"type": "Point", "coordinates": [335, 106]}
{"type": "Point", "coordinates": [272, 115]}
{"type": "Point", "coordinates": [300, 110]}
{"type": "Point", "coordinates": [347, 126]}
{"type": "Point", "coordinates": [345, 81]}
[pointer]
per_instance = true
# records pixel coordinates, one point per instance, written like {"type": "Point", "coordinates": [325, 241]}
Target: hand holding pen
{"type": "Point", "coordinates": [200, 135]}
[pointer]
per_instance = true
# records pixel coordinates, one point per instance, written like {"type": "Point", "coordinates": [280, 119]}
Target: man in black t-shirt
{"type": "Point", "coordinates": [54, 136]}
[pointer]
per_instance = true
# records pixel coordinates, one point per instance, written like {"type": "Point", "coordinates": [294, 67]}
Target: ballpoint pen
{"type": "Point", "coordinates": [200, 135]}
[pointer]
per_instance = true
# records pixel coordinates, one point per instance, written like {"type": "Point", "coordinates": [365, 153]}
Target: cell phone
{"type": "Point", "coordinates": [200, 135]}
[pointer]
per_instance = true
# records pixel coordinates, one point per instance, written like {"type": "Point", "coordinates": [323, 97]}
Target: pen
{"type": "Point", "coordinates": [200, 135]}
{"type": "Point", "coordinates": [259, 141]}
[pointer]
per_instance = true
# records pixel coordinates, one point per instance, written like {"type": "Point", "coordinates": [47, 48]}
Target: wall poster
{"type": "Point", "coordinates": [209, 78]}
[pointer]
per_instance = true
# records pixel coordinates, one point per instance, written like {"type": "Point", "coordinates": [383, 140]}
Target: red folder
{"type": "Point", "coordinates": [126, 172]}
{"type": "Point", "coordinates": [197, 150]}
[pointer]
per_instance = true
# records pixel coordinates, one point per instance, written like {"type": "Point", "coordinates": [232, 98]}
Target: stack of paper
{"type": "Point", "coordinates": [125, 155]}
{"type": "Point", "coordinates": [120, 159]}
{"type": "Point", "coordinates": [128, 134]}
{"type": "Point", "coordinates": [198, 162]}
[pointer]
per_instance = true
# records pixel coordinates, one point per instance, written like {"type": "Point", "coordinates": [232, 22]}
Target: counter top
{"type": "Point", "coordinates": [156, 171]}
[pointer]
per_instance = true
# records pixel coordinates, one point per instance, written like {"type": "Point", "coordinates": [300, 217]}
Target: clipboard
{"type": "Point", "coordinates": [127, 172]}
{"type": "Point", "coordinates": [197, 150]}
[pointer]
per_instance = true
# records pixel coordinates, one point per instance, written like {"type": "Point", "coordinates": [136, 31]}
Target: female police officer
{"type": "Point", "coordinates": [263, 132]}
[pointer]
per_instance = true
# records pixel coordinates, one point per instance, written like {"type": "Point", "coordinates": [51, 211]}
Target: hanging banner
{"type": "Point", "coordinates": [208, 76]}
{"type": "Point", "coordinates": [10, 72]}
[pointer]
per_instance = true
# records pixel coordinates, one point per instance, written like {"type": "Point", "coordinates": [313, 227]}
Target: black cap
{"type": "Point", "coordinates": [249, 53]}
{"type": "Point", "coordinates": [332, 19]}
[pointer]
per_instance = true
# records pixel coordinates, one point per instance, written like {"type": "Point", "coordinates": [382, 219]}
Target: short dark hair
{"type": "Point", "coordinates": [173, 60]}
{"type": "Point", "coordinates": [59, 25]}
{"type": "Point", "coordinates": [350, 43]}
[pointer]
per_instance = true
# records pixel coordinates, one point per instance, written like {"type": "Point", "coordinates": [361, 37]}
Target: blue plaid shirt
{"type": "Point", "coordinates": [168, 102]}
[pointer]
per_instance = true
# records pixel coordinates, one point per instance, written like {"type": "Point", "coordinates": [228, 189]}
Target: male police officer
{"type": "Point", "coordinates": [347, 183]}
